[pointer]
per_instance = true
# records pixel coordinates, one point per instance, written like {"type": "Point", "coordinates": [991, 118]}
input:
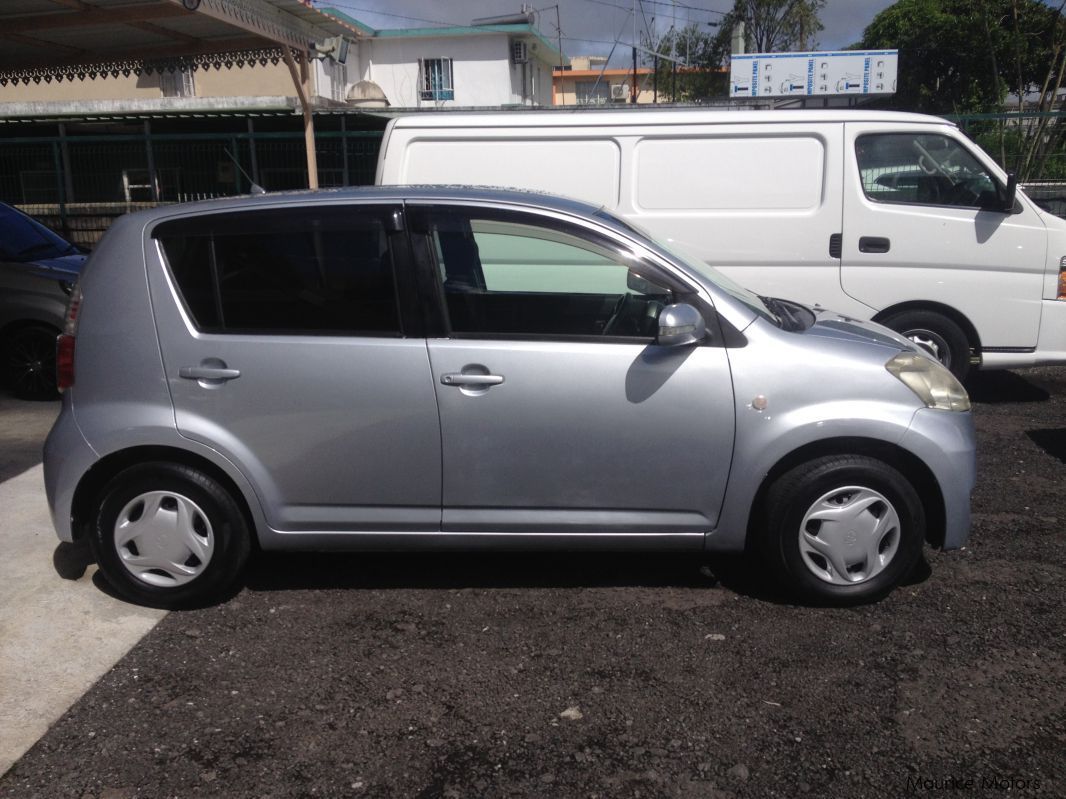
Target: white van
{"type": "Point", "coordinates": [894, 217]}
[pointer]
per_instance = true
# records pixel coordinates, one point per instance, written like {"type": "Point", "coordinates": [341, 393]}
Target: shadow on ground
{"type": "Point", "coordinates": [1002, 387]}
{"type": "Point", "coordinates": [1053, 441]}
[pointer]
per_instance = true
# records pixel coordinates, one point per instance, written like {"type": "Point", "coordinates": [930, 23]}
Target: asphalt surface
{"type": "Point", "coordinates": [608, 676]}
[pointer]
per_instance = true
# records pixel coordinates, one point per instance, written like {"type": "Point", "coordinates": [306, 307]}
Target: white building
{"type": "Point", "coordinates": [502, 62]}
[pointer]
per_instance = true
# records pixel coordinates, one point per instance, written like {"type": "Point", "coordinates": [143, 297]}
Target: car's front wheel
{"type": "Point", "coordinates": [169, 535]}
{"type": "Point", "coordinates": [843, 529]}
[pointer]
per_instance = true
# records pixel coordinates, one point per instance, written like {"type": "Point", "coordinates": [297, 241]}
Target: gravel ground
{"type": "Point", "coordinates": [608, 676]}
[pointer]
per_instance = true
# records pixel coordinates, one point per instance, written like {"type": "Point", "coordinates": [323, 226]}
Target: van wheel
{"type": "Point", "coordinates": [167, 535]}
{"type": "Point", "coordinates": [30, 362]}
{"type": "Point", "coordinates": [843, 529]}
{"type": "Point", "coordinates": [936, 334]}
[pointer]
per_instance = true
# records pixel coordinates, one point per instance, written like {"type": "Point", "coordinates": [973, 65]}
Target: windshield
{"type": "Point", "coordinates": [25, 239]}
{"type": "Point", "coordinates": [680, 252]}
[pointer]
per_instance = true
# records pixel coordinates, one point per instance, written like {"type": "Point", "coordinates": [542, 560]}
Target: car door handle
{"type": "Point", "coordinates": [208, 373]}
{"type": "Point", "coordinates": [874, 244]}
{"type": "Point", "coordinates": [480, 381]}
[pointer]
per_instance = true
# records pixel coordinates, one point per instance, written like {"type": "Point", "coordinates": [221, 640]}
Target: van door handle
{"type": "Point", "coordinates": [479, 381]}
{"type": "Point", "coordinates": [874, 244]}
{"type": "Point", "coordinates": [219, 373]}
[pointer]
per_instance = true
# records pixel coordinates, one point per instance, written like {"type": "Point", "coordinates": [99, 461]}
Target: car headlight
{"type": "Point", "coordinates": [931, 381]}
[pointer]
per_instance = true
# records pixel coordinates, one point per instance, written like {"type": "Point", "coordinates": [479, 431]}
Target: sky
{"type": "Point", "coordinates": [591, 26]}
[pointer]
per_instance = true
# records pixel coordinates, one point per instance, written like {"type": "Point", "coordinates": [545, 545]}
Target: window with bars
{"type": "Point", "coordinates": [178, 83]}
{"type": "Point", "coordinates": [436, 79]}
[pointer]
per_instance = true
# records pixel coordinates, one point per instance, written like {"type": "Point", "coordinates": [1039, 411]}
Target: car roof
{"type": "Point", "coordinates": [380, 194]}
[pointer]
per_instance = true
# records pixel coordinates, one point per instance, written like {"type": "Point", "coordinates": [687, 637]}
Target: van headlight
{"type": "Point", "coordinates": [931, 381]}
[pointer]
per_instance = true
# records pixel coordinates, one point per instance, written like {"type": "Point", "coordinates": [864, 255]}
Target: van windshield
{"type": "Point", "coordinates": [680, 252]}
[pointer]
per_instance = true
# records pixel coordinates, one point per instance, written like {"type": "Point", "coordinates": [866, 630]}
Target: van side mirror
{"type": "Point", "coordinates": [1012, 190]}
{"type": "Point", "coordinates": [680, 325]}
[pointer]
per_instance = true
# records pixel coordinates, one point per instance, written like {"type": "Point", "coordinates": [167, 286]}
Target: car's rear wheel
{"type": "Point", "coordinates": [169, 535]}
{"type": "Point", "coordinates": [30, 362]}
{"type": "Point", "coordinates": [843, 529]}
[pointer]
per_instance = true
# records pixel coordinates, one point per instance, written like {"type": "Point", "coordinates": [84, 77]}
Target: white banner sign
{"type": "Point", "coordinates": [811, 74]}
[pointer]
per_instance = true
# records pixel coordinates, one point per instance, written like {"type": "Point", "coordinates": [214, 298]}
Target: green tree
{"type": "Point", "coordinates": [698, 76]}
{"type": "Point", "coordinates": [773, 26]}
{"type": "Point", "coordinates": [967, 56]}
{"type": "Point", "coordinates": [960, 56]}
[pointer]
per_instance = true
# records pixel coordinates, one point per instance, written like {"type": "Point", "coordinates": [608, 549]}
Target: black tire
{"type": "Point", "coordinates": [212, 548]}
{"type": "Point", "coordinates": [30, 362]}
{"type": "Point", "coordinates": [939, 335]}
{"type": "Point", "coordinates": [786, 539]}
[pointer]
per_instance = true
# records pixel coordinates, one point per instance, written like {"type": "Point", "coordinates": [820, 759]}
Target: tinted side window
{"type": "Point", "coordinates": [507, 275]}
{"type": "Point", "coordinates": [309, 270]}
{"type": "Point", "coordinates": [923, 169]}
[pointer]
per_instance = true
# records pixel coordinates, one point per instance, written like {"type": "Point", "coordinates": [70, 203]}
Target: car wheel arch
{"type": "Point", "coordinates": [908, 464]}
{"type": "Point", "coordinates": [95, 479]}
{"type": "Point", "coordinates": [947, 311]}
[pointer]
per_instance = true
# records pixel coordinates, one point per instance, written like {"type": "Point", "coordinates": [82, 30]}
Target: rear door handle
{"type": "Point", "coordinates": [208, 373]}
{"type": "Point", "coordinates": [479, 381]}
{"type": "Point", "coordinates": [874, 244]}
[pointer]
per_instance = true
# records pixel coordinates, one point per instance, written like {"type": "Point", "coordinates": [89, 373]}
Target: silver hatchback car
{"type": "Point", "coordinates": [440, 368]}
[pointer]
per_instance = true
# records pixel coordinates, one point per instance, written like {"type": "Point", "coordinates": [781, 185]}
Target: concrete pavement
{"type": "Point", "coordinates": [59, 632]}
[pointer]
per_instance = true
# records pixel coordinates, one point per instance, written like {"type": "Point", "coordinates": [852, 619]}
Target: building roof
{"type": "Point", "coordinates": [45, 34]}
{"type": "Point", "coordinates": [552, 53]}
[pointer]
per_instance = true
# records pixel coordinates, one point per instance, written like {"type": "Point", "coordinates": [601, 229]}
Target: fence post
{"type": "Point", "coordinates": [236, 156]}
{"type": "Point", "coordinates": [252, 153]}
{"type": "Point", "coordinates": [153, 180]}
{"type": "Point", "coordinates": [344, 152]}
{"type": "Point", "coordinates": [61, 189]}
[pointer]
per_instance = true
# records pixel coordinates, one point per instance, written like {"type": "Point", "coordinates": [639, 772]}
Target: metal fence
{"type": "Point", "coordinates": [78, 184]}
{"type": "Point", "coordinates": [1032, 144]}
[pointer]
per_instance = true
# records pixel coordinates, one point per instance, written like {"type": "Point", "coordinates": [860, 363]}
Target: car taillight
{"type": "Point", "coordinates": [65, 342]}
{"type": "Point", "coordinates": [1062, 278]}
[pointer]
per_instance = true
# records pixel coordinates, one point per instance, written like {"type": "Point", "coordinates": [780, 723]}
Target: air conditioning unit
{"type": "Point", "coordinates": [619, 91]}
{"type": "Point", "coordinates": [519, 52]}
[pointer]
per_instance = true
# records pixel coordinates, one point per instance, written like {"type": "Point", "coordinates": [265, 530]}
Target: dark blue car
{"type": "Point", "coordinates": [37, 270]}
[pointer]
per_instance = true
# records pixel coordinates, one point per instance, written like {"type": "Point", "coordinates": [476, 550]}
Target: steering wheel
{"type": "Point", "coordinates": [930, 165]}
{"type": "Point", "coordinates": [965, 192]}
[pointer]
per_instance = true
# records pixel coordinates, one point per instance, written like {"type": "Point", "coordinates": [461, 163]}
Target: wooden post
{"type": "Point", "coordinates": [302, 81]}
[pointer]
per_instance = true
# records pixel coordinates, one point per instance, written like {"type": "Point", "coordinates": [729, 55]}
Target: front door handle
{"type": "Point", "coordinates": [874, 244]}
{"type": "Point", "coordinates": [476, 381]}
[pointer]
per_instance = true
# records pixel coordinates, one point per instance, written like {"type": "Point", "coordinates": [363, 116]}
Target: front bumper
{"type": "Point", "coordinates": [946, 442]}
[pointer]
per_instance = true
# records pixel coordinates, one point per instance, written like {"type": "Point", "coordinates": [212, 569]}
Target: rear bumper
{"type": "Point", "coordinates": [945, 441]}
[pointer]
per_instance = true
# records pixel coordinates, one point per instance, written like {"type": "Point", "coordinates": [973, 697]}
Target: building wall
{"type": "Point", "coordinates": [566, 85]}
{"type": "Point", "coordinates": [482, 72]}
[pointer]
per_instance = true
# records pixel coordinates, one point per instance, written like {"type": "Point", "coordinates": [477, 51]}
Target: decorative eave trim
{"type": "Point", "coordinates": [140, 66]}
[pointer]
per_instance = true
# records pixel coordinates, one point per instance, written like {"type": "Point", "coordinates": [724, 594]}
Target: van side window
{"type": "Point", "coordinates": [505, 276]}
{"type": "Point", "coordinates": [307, 270]}
{"type": "Point", "coordinates": [923, 169]}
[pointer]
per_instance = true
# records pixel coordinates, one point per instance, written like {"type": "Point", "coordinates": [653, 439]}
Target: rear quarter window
{"type": "Point", "coordinates": [317, 270]}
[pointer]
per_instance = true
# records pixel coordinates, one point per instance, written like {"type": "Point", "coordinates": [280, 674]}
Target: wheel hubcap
{"type": "Point", "coordinates": [164, 539]}
{"type": "Point", "coordinates": [849, 535]}
{"type": "Point", "coordinates": [932, 342]}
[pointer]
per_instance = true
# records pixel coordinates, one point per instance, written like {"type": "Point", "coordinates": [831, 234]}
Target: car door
{"type": "Point", "coordinates": [289, 348]}
{"type": "Point", "coordinates": [559, 414]}
{"type": "Point", "coordinates": [920, 226]}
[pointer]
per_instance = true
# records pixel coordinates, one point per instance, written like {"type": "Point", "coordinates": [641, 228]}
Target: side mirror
{"type": "Point", "coordinates": [680, 325]}
{"type": "Point", "coordinates": [1012, 190]}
